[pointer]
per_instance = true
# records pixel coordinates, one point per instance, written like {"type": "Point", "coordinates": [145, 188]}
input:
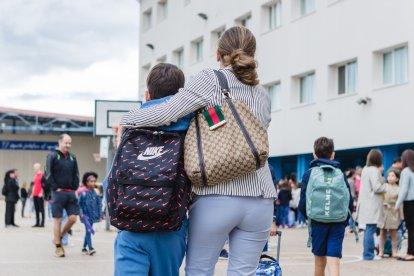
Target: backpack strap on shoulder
{"type": "Point", "coordinates": [224, 85]}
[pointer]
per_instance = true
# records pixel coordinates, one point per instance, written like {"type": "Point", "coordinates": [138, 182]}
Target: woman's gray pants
{"type": "Point", "coordinates": [245, 221]}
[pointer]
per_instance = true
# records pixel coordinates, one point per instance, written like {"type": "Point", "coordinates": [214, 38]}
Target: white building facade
{"type": "Point", "coordinates": [336, 68]}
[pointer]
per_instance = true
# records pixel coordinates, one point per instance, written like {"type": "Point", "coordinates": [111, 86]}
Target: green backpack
{"type": "Point", "coordinates": [327, 196]}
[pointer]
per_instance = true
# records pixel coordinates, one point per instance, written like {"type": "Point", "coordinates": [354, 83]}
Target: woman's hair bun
{"type": "Point", "coordinates": [244, 67]}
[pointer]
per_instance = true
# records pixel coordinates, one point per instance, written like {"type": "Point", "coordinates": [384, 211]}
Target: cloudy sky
{"type": "Point", "coordinates": [61, 55]}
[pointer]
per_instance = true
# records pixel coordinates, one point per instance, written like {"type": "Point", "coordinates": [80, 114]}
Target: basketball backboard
{"type": "Point", "coordinates": [109, 114]}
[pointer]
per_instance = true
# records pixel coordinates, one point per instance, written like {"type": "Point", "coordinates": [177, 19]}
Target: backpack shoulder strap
{"type": "Point", "coordinates": [224, 85]}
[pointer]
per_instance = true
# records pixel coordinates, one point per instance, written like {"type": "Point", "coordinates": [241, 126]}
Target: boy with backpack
{"type": "Point", "coordinates": [148, 191]}
{"type": "Point", "coordinates": [327, 202]}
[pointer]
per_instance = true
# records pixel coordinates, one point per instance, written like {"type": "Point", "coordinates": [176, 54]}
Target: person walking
{"type": "Point", "coordinates": [62, 175]}
{"type": "Point", "coordinates": [23, 196]}
{"type": "Point", "coordinates": [369, 209]}
{"type": "Point", "coordinates": [240, 209]}
{"type": "Point", "coordinates": [90, 205]}
{"type": "Point", "coordinates": [11, 192]}
{"type": "Point", "coordinates": [38, 201]}
{"type": "Point", "coordinates": [406, 198]}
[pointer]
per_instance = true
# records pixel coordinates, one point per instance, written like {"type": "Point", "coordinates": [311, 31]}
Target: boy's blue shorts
{"type": "Point", "coordinates": [327, 239]}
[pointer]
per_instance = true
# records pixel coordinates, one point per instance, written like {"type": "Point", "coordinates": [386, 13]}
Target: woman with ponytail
{"type": "Point", "coordinates": [240, 210]}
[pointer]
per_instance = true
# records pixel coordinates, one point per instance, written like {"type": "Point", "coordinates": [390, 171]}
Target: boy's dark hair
{"type": "Point", "coordinates": [164, 80]}
{"type": "Point", "coordinates": [323, 147]}
{"type": "Point", "coordinates": [374, 158]}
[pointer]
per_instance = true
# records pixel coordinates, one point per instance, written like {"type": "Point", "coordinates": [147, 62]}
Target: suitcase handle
{"type": "Point", "coordinates": [264, 256]}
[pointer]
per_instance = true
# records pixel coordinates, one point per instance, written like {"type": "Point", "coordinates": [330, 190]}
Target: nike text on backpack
{"type": "Point", "coordinates": [148, 189]}
{"type": "Point", "coordinates": [225, 150]}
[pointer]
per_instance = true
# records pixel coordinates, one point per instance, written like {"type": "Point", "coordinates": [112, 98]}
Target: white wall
{"type": "Point", "coordinates": [334, 33]}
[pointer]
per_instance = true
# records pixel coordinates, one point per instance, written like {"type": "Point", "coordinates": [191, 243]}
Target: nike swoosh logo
{"type": "Point", "coordinates": [142, 157]}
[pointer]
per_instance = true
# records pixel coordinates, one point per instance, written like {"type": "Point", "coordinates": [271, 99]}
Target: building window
{"type": "Point", "coordinates": [245, 21]}
{"type": "Point", "coordinates": [395, 66]}
{"type": "Point", "coordinates": [147, 20]}
{"type": "Point", "coordinates": [347, 78]}
{"type": "Point", "coordinates": [307, 89]}
{"type": "Point", "coordinates": [306, 7]}
{"type": "Point", "coordinates": [197, 50]}
{"type": "Point", "coordinates": [179, 58]}
{"type": "Point", "coordinates": [215, 36]}
{"type": "Point", "coordinates": [275, 93]}
{"type": "Point", "coordinates": [162, 10]}
{"type": "Point", "coordinates": [162, 59]}
{"type": "Point", "coordinates": [274, 15]}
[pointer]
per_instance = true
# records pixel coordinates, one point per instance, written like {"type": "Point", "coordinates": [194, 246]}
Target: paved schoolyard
{"type": "Point", "coordinates": [29, 251]}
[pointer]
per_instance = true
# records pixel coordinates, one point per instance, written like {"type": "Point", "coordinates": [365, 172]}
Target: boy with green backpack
{"type": "Point", "coordinates": [327, 203]}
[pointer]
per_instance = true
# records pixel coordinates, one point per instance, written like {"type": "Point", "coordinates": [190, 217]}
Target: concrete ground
{"type": "Point", "coordinates": [29, 251]}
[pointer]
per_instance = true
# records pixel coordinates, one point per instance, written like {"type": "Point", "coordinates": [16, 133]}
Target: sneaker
{"type": "Point", "coordinates": [92, 251]}
{"type": "Point", "coordinates": [60, 252]}
{"type": "Point", "coordinates": [85, 251]}
{"type": "Point", "coordinates": [377, 258]}
{"type": "Point", "coordinates": [224, 254]}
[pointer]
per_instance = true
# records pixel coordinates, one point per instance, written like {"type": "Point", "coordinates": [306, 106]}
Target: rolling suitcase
{"type": "Point", "coordinates": [268, 265]}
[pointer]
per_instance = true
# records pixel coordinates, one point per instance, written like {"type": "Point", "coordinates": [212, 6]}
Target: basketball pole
{"type": "Point", "coordinates": [108, 168]}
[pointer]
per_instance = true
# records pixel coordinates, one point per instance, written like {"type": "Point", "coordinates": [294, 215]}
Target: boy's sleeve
{"type": "Point", "coordinates": [302, 201]}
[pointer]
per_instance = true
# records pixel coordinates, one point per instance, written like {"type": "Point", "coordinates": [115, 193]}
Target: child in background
{"type": "Point", "coordinates": [392, 216]}
{"type": "Point", "coordinates": [90, 205]}
{"type": "Point", "coordinates": [327, 238]}
{"type": "Point", "coordinates": [284, 196]}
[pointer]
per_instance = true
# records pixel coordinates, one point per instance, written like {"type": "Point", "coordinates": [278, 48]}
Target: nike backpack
{"type": "Point", "coordinates": [148, 189]}
{"type": "Point", "coordinates": [327, 196]}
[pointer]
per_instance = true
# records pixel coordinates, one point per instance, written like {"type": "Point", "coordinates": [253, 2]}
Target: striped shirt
{"type": "Point", "coordinates": [201, 92]}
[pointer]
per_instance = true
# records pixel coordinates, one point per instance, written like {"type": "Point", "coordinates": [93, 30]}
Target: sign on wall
{"type": "Point", "coordinates": [27, 145]}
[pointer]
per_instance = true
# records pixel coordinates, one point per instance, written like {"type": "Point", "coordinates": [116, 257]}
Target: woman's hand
{"type": "Point", "coordinates": [273, 229]}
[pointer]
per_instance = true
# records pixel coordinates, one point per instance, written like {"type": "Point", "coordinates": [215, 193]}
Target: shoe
{"type": "Point", "coordinates": [85, 251]}
{"type": "Point", "coordinates": [14, 225]}
{"type": "Point", "coordinates": [224, 254]}
{"type": "Point", "coordinates": [92, 251]}
{"type": "Point", "coordinates": [36, 225]}
{"type": "Point", "coordinates": [405, 259]}
{"type": "Point", "coordinates": [60, 252]}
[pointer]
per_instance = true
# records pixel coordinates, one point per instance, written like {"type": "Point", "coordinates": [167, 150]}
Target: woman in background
{"type": "Point", "coordinates": [11, 192]}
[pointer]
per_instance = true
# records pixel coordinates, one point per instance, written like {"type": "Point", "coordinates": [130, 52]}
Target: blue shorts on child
{"type": "Point", "coordinates": [327, 238]}
{"type": "Point", "coordinates": [152, 254]}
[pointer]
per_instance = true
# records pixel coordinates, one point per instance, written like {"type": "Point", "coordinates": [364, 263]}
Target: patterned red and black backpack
{"type": "Point", "coordinates": [148, 189]}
